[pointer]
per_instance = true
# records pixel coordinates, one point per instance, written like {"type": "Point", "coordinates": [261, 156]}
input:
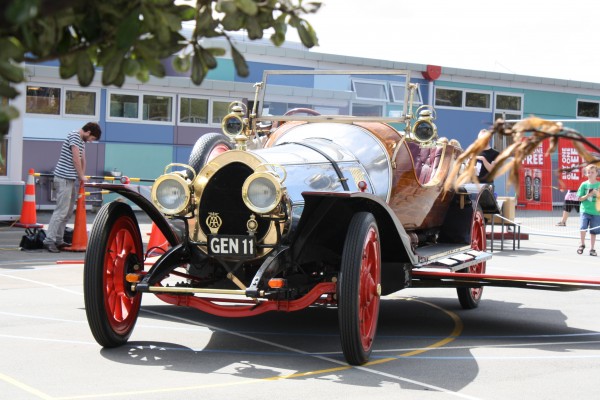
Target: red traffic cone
{"type": "Point", "coordinates": [158, 243]}
{"type": "Point", "coordinates": [80, 237]}
{"type": "Point", "coordinates": [28, 217]}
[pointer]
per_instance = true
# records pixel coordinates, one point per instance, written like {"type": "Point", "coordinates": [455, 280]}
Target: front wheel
{"type": "Point", "coordinates": [359, 288]}
{"type": "Point", "coordinates": [115, 249]}
{"type": "Point", "coordinates": [469, 297]}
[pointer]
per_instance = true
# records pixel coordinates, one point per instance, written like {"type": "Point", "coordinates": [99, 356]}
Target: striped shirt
{"type": "Point", "coordinates": [65, 167]}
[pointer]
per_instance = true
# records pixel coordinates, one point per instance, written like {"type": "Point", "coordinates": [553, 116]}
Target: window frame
{"type": "Point", "coordinates": [463, 106]}
{"type": "Point", "coordinates": [393, 99]}
{"type": "Point", "coordinates": [586, 101]}
{"type": "Point", "coordinates": [140, 111]}
{"type": "Point", "coordinates": [63, 101]}
{"type": "Point", "coordinates": [192, 124]}
{"type": "Point", "coordinates": [382, 84]}
{"type": "Point", "coordinates": [62, 110]}
{"type": "Point", "coordinates": [501, 142]}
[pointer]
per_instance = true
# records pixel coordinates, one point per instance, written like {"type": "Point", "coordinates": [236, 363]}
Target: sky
{"type": "Point", "coordinates": [554, 39]}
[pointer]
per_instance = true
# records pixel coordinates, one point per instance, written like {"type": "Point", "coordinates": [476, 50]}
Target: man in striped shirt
{"type": "Point", "coordinates": [69, 168]}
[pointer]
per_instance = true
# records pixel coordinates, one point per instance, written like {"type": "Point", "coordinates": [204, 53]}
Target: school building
{"type": "Point", "coordinates": [146, 126]}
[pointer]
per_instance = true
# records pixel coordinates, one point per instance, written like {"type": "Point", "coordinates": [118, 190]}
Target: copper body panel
{"type": "Point", "coordinates": [417, 195]}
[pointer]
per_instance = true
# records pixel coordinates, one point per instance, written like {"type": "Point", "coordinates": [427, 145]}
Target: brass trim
{"type": "Point", "coordinates": [278, 192]}
{"type": "Point", "coordinates": [186, 188]}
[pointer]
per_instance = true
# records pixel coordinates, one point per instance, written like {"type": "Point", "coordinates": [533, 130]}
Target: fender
{"type": "Point", "coordinates": [319, 204]}
{"type": "Point", "coordinates": [132, 192]}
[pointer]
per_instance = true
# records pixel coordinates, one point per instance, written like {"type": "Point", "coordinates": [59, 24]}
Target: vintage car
{"type": "Point", "coordinates": [324, 190]}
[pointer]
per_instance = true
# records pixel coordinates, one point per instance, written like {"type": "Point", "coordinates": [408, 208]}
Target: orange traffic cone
{"type": "Point", "coordinates": [158, 243]}
{"type": "Point", "coordinates": [80, 237]}
{"type": "Point", "coordinates": [28, 214]}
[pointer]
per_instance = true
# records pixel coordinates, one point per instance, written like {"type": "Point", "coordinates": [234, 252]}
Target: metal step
{"type": "Point", "coordinates": [456, 260]}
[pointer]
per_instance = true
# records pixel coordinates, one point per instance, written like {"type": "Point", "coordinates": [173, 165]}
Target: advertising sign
{"type": "Point", "coordinates": [535, 180]}
{"type": "Point", "coordinates": [569, 158]}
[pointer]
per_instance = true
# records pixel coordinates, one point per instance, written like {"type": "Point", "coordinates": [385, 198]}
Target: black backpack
{"type": "Point", "coordinates": [33, 239]}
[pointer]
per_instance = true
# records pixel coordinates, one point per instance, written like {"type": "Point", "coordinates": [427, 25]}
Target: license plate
{"type": "Point", "coordinates": [231, 245]}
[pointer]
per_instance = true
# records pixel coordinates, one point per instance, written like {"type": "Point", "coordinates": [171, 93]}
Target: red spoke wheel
{"type": "Point", "coordinates": [359, 288]}
{"type": "Point", "coordinates": [114, 250]}
{"type": "Point", "coordinates": [469, 297]}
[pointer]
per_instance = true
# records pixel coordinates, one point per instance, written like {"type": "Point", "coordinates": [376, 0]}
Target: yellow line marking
{"type": "Point", "coordinates": [24, 387]}
{"type": "Point", "coordinates": [456, 331]}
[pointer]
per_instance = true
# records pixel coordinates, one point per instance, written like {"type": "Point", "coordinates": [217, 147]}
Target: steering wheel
{"type": "Point", "coordinates": [294, 111]}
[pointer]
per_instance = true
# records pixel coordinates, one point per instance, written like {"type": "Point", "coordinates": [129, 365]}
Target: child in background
{"type": "Point", "coordinates": [590, 216]}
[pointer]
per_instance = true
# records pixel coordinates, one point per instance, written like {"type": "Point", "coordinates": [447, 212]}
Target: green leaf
{"type": "Point", "coordinates": [12, 48]}
{"type": "Point", "coordinates": [240, 63]}
{"type": "Point", "coordinates": [216, 51]}
{"type": "Point", "coordinates": [247, 6]}
{"type": "Point", "coordinates": [198, 69]}
{"type": "Point", "coordinates": [128, 30]}
{"type": "Point", "coordinates": [85, 69]}
{"type": "Point", "coordinates": [10, 72]}
{"type": "Point", "coordinates": [68, 66]}
{"type": "Point", "coordinates": [181, 63]}
{"type": "Point", "coordinates": [254, 29]}
{"type": "Point", "coordinates": [208, 59]}
{"type": "Point", "coordinates": [234, 21]}
{"type": "Point", "coordinates": [21, 11]}
{"type": "Point", "coordinates": [8, 91]}
{"type": "Point", "coordinates": [226, 6]}
{"type": "Point", "coordinates": [112, 69]}
{"type": "Point", "coordinates": [308, 36]}
{"type": "Point", "coordinates": [131, 67]}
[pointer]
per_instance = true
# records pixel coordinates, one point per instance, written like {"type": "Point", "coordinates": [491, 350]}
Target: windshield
{"type": "Point", "coordinates": [351, 95]}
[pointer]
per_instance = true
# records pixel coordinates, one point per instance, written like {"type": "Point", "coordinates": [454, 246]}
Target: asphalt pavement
{"type": "Point", "coordinates": [518, 344]}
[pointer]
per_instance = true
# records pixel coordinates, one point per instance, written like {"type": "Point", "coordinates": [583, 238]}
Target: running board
{"type": "Point", "coordinates": [455, 261]}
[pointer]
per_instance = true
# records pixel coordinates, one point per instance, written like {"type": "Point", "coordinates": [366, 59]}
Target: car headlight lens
{"type": "Point", "coordinates": [171, 194]}
{"type": "Point", "coordinates": [261, 192]}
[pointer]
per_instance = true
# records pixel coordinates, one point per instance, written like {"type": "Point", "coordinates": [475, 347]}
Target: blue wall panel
{"type": "Point", "coordinates": [181, 154]}
{"type": "Point", "coordinates": [138, 133]}
{"type": "Point", "coordinates": [462, 125]}
{"type": "Point", "coordinates": [50, 128]}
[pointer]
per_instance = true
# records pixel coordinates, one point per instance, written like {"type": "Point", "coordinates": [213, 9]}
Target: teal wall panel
{"type": "Point", "coordinates": [549, 104]}
{"type": "Point", "coordinates": [11, 196]}
{"type": "Point", "coordinates": [225, 70]}
{"type": "Point", "coordinates": [144, 161]}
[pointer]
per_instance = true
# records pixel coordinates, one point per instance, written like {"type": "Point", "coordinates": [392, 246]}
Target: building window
{"type": "Point", "coordinates": [367, 110]}
{"type": "Point", "coordinates": [43, 100]}
{"type": "Point", "coordinates": [478, 100]}
{"type": "Point", "coordinates": [132, 107]}
{"type": "Point", "coordinates": [448, 97]}
{"type": "Point", "coordinates": [124, 105]}
{"type": "Point", "coordinates": [78, 102]}
{"type": "Point", "coordinates": [370, 90]}
{"type": "Point", "coordinates": [467, 99]}
{"type": "Point", "coordinates": [588, 109]}
{"type": "Point", "coordinates": [397, 92]}
{"type": "Point", "coordinates": [219, 110]}
{"type": "Point", "coordinates": [509, 107]}
{"type": "Point", "coordinates": [193, 111]}
{"type": "Point", "coordinates": [158, 108]}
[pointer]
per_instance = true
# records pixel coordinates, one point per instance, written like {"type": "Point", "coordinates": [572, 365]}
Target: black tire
{"type": "Point", "coordinates": [469, 298]}
{"type": "Point", "coordinates": [115, 249]}
{"type": "Point", "coordinates": [359, 288]}
{"type": "Point", "coordinates": [206, 147]}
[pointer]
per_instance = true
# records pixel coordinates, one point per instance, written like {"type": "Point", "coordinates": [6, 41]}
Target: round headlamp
{"type": "Point", "coordinates": [171, 194]}
{"type": "Point", "coordinates": [261, 192]}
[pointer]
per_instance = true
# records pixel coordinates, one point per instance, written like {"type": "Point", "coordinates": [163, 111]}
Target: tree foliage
{"type": "Point", "coordinates": [129, 38]}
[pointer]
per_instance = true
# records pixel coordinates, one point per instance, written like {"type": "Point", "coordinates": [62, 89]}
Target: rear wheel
{"type": "Point", "coordinates": [115, 249]}
{"type": "Point", "coordinates": [469, 297]}
{"type": "Point", "coordinates": [359, 288]}
{"type": "Point", "coordinates": [207, 147]}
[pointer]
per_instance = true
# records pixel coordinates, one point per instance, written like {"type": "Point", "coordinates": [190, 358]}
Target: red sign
{"type": "Point", "coordinates": [535, 180]}
{"type": "Point", "coordinates": [569, 158]}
